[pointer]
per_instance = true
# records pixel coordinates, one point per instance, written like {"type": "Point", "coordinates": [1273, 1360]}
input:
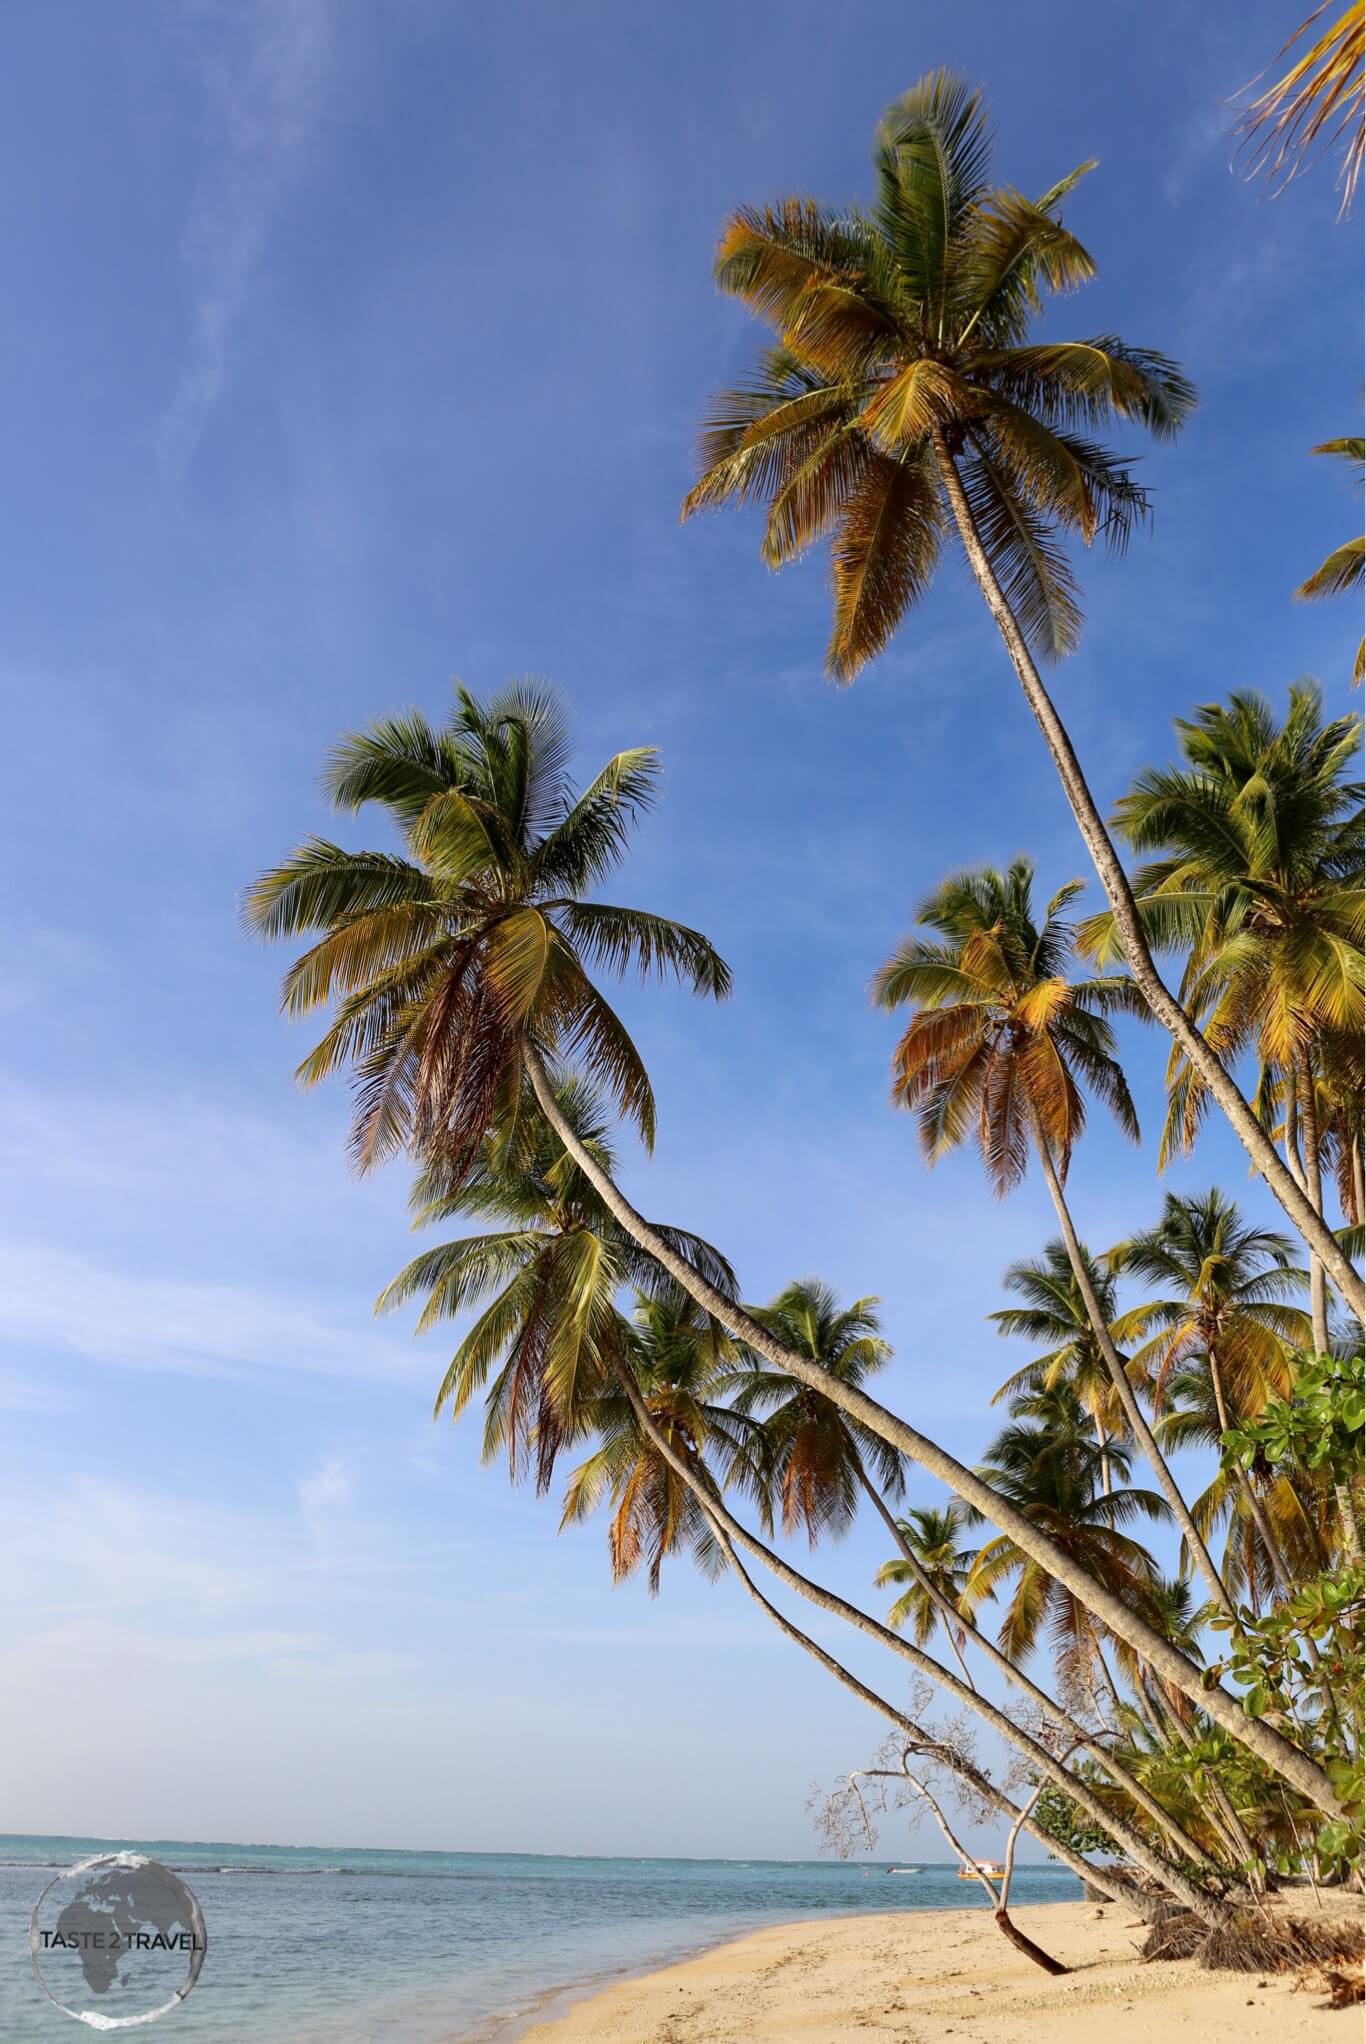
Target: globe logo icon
{"type": "Point", "coordinates": [117, 1941]}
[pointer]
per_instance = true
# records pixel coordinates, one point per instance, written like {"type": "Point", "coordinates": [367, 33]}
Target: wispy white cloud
{"type": "Point", "coordinates": [326, 1488]}
{"type": "Point", "coordinates": [264, 67]}
{"type": "Point", "coordinates": [204, 1329]}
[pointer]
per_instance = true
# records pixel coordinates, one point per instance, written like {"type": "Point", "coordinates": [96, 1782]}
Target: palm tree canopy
{"type": "Point", "coordinates": [1302, 1514]}
{"type": "Point", "coordinates": [1258, 880]}
{"type": "Point", "coordinates": [1224, 1286]}
{"type": "Point", "coordinates": [817, 1454]}
{"type": "Point", "coordinates": [445, 959]}
{"type": "Point", "coordinates": [1002, 1042]}
{"type": "Point", "coordinates": [541, 1288]}
{"type": "Point", "coordinates": [933, 1534]}
{"type": "Point", "coordinates": [1047, 1463]}
{"type": "Point", "coordinates": [680, 1361]}
{"type": "Point", "coordinates": [1313, 105]}
{"type": "Point", "coordinates": [912, 319]}
{"type": "Point", "coordinates": [1053, 1311]}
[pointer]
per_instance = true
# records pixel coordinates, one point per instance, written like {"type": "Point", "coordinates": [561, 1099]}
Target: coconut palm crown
{"type": "Point", "coordinates": [905, 341]}
{"type": "Point", "coordinates": [1048, 1464]}
{"type": "Point", "coordinates": [820, 1460]}
{"type": "Point", "coordinates": [933, 1532]}
{"type": "Point", "coordinates": [1003, 1041]}
{"type": "Point", "coordinates": [539, 1287]}
{"type": "Point", "coordinates": [1257, 880]}
{"type": "Point", "coordinates": [445, 959]}
{"type": "Point", "coordinates": [678, 1358]}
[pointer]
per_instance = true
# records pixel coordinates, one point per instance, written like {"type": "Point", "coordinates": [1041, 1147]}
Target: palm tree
{"type": "Point", "coordinates": [652, 1396]}
{"type": "Point", "coordinates": [931, 1532]}
{"type": "Point", "coordinates": [454, 965]}
{"type": "Point", "coordinates": [1258, 880]}
{"type": "Point", "coordinates": [679, 1360]}
{"type": "Point", "coordinates": [821, 1462]}
{"type": "Point", "coordinates": [543, 1286]}
{"type": "Point", "coordinates": [1048, 1464]}
{"type": "Point", "coordinates": [1267, 1518]}
{"type": "Point", "coordinates": [1175, 1724]}
{"type": "Point", "coordinates": [457, 970]}
{"type": "Point", "coordinates": [1054, 1311]}
{"type": "Point", "coordinates": [1225, 1284]}
{"type": "Point", "coordinates": [997, 1051]}
{"type": "Point", "coordinates": [1314, 105]}
{"type": "Point", "coordinates": [905, 394]}
{"type": "Point", "coordinates": [1344, 568]}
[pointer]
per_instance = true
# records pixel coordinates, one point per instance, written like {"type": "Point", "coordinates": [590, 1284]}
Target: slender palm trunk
{"type": "Point", "coordinates": [1102, 1442]}
{"type": "Point", "coordinates": [1106, 1677]}
{"type": "Point", "coordinates": [1038, 1757]}
{"type": "Point", "coordinates": [1181, 1842]}
{"type": "Point", "coordinates": [1119, 1376]}
{"type": "Point", "coordinates": [1277, 1752]}
{"type": "Point", "coordinates": [984, 1787]}
{"type": "Point", "coordinates": [949, 1617]}
{"type": "Point", "coordinates": [1313, 1186]}
{"type": "Point", "coordinates": [1224, 1817]}
{"type": "Point", "coordinates": [1252, 1503]}
{"type": "Point", "coordinates": [1114, 880]}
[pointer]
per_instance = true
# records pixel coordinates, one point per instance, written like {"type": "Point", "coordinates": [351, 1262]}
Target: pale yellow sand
{"type": "Point", "coordinates": [932, 1975]}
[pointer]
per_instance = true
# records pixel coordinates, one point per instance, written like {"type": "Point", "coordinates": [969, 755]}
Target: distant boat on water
{"type": "Point", "coordinates": [971, 1868]}
{"type": "Point", "coordinates": [905, 1870]}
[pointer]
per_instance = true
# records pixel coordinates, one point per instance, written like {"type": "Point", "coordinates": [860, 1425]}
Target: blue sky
{"type": "Point", "coordinates": [352, 348]}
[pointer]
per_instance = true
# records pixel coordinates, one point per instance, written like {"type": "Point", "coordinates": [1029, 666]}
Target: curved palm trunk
{"type": "Point", "coordinates": [986, 1788]}
{"type": "Point", "coordinates": [1184, 1846]}
{"type": "Point", "coordinates": [1249, 1496]}
{"type": "Point", "coordinates": [1133, 1412]}
{"type": "Point", "coordinates": [723, 1521]}
{"type": "Point", "coordinates": [1117, 1702]}
{"type": "Point", "coordinates": [1168, 1010]}
{"type": "Point", "coordinates": [950, 1618]}
{"type": "Point", "coordinates": [1303, 1080]}
{"type": "Point", "coordinates": [1269, 1745]}
{"type": "Point", "coordinates": [1226, 1820]}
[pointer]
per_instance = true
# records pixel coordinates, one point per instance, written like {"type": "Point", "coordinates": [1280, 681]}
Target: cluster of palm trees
{"type": "Point", "coordinates": [904, 402]}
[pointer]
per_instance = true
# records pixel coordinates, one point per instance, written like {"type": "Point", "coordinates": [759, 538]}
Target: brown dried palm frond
{"type": "Point", "coordinates": [1316, 104]}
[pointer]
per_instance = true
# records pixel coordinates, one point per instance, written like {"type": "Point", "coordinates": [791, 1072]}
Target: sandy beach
{"type": "Point", "coordinates": [933, 1974]}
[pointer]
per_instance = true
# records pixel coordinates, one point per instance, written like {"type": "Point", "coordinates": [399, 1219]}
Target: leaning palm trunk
{"type": "Point", "coordinates": [1252, 1503]}
{"type": "Point", "coordinates": [977, 1780]}
{"type": "Point", "coordinates": [1133, 1412]}
{"type": "Point", "coordinates": [1181, 1842]}
{"type": "Point", "coordinates": [1303, 1080]}
{"type": "Point", "coordinates": [724, 1522]}
{"type": "Point", "coordinates": [1167, 1009]}
{"type": "Point", "coordinates": [952, 1620]}
{"type": "Point", "coordinates": [1277, 1752]}
{"type": "Point", "coordinates": [1225, 1819]}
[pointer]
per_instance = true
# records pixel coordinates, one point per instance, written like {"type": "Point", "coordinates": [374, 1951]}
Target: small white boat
{"type": "Point", "coordinates": [905, 1870]}
{"type": "Point", "coordinates": [970, 1869]}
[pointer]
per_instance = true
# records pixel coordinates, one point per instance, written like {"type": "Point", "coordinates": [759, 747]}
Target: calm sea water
{"type": "Point", "coordinates": [432, 1947]}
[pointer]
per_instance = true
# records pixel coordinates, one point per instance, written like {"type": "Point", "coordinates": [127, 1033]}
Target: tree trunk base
{"type": "Point", "coordinates": [1027, 1945]}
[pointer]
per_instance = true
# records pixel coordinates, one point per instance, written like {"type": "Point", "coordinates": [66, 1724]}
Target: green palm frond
{"type": "Point", "coordinates": [904, 349]}
{"type": "Point", "coordinates": [444, 964]}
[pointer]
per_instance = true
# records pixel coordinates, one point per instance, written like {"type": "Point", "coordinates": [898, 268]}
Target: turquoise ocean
{"type": "Point", "coordinates": [368, 1947]}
